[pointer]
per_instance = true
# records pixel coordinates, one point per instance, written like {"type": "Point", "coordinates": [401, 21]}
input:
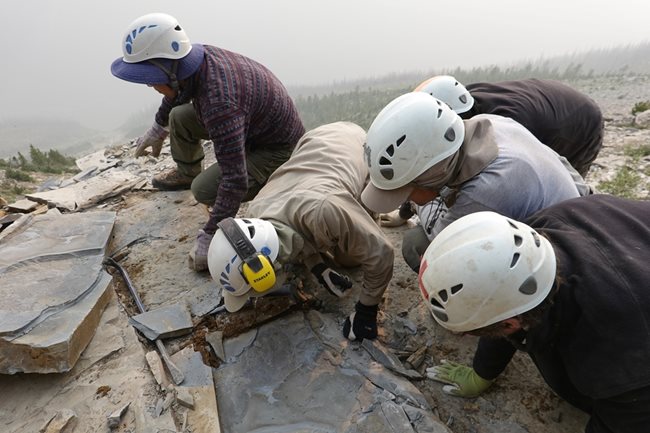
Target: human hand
{"type": "Point", "coordinates": [460, 380]}
{"type": "Point", "coordinates": [362, 323]}
{"type": "Point", "coordinates": [334, 282]}
{"type": "Point", "coordinates": [153, 138]}
{"type": "Point", "coordinates": [391, 219]}
{"type": "Point", "coordinates": [199, 252]}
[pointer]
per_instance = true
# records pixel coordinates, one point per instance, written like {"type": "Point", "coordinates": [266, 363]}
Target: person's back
{"type": "Point", "coordinates": [592, 346]}
{"type": "Point", "coordinates": [235, 95]}
{"type": "Point", "coordinates": [602, 320]}
{"type": "Point", "coordinates": [526, 176]}
{"type": "Point", "coordinates": [330, 168]}
{"type": "Point", "coordinates": [316, 195]}
{"type": "Point", "coordinates": [561, 117]}
{"type": "Point", "coordinates": [568, 286]}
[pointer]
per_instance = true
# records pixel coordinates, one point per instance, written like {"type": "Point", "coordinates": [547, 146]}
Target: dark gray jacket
{"type": "Point", "coordinates": [564, 119]}
{"type": "Point", "coordinates": [593, 347]}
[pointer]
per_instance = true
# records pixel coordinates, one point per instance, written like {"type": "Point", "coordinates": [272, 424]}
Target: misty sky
{"type": "Point", "coordinates": [57, 53]}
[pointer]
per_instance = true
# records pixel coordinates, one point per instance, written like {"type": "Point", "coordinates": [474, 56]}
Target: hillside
{"type": "Point", "coordinates": [357, 100]}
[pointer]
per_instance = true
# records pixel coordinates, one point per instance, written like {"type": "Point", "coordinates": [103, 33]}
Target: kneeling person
{"type": "Point", "coordinates": [569, 289]}
{"type": "Point", "coordinates": [309, 209]}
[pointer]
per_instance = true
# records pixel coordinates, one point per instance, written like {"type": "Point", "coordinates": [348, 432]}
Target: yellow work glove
{"type": "Point", "coordinates": [461, 380]}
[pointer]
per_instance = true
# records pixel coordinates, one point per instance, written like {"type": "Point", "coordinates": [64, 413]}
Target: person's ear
{"type": "Point", "coordinates": [511, 325]}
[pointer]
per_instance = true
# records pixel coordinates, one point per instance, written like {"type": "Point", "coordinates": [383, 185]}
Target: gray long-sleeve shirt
{"type": "Point", "coordinates": [313, 201]}
{"type": "Point", "coordinates": [525, 177]}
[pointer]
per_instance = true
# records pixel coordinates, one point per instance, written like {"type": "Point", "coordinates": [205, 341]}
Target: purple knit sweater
{"type": "Point", "coordinates": [244, 107]}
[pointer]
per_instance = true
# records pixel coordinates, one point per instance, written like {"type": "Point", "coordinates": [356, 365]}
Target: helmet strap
{"type": "Point", "coordinates": [171, 72]}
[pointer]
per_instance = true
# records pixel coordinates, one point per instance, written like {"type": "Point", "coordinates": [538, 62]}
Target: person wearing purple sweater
{"type": "Point", "coordinates": [209, 93]}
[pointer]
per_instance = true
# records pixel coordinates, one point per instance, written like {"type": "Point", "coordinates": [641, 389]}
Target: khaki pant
{"type": "Point", "coordinates": [185, 135]}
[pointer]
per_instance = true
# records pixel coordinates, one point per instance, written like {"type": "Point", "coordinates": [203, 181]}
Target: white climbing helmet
{"type": "Point", "coordinates": [408, 136]}
{"type": "Point", "coordinates": [484, 268]}
{"type": "Point", "coordinates": [155, 36]}
{"type": "Point", "coordinates": [448, 90]}
{"type": "Point", "coordinates": [156, 50]}
{"type": "Point", "coordinates": [225, 264]}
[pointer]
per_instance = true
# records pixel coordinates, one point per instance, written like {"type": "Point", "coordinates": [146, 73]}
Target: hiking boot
{"type": "Point", "coordinates": [171, 180]}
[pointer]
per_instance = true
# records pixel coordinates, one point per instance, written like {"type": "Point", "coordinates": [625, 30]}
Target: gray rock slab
{"type": "Point", "coordinates": [199, 384]}
{"type": "Point", "coordinates": [184, 397]}
{"type": "Point", "coordinates": [157, 368]}
{"type": "Point", "coordinates": [158, 238]}
{"type": "Point", "coordinates": [382, 355]}
{"type": "Point", "coordinates": [23, 206]}
{"type": "Point", "coordinates": [300, 375]}
{"type": "Point", "coordinates": [97, 160]}
{"type": "Point", "coordinates": [215, 340]}
{"type": "Point", "coordinates": [233, 347]}
{"type": "Point", "coordinates": [54, 344]}
{"type": "Point", "coordinates": [114, 418]}
{"type": "Point", "coordinates": [29, 400]}
{"type": "Point", "coordinates": [63, 422]}
{"type": "Point", "coordinates": [164, 322]}
{"type": "Point", "coordinates": [54, 289]}
{"type": "Point", "coordinates": [83, 195]}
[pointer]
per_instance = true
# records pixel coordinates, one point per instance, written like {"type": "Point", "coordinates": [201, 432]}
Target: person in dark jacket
{"type": "Point", "coordinates": [564, 119]}
{"type": "Point", "coordinates": [570, 287]}
{"type": "Point", "coordinates": [209, 93]}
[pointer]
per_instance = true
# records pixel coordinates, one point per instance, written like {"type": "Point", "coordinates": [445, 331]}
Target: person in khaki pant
{"type": "Point", "coordinates": [209, 93]}
{"type": "Point", "coordinates": [309, 211]}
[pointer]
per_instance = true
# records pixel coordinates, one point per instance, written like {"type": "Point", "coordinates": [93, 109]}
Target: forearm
{"type": "Point", "coordinates": [162, 115]}
{"type": "Point", "coordinates": [226, 204]}
{"type": "Point", "coordinates": [492, 356]}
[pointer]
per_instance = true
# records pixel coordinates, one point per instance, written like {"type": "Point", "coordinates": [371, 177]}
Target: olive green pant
{"type": "Point", "coordinates": [185, 135]}
{"type": "Point", "coordinates": [414, 244]}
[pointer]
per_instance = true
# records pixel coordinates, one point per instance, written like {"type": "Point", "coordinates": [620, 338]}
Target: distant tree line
{"type": "Point", "coordinates": [51, 161]}
{"type": "Point", "coordinates": [361, 106]}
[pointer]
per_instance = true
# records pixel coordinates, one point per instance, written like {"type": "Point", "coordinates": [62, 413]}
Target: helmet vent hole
{"type": "Point", "coordinates": [513, 225]}
{"type": "Point", "coordinates": [440, 315]}
{"type": "Point", "coordinates": [443, 295]}
{"type": "Point", "coordinates": [457, 288]}
{"type": "Point", "coordinates": [515, 259]}
{"type": "Point", "coordinates": [536, 238]}
{"type": "Point", "coordinates": [436, 303]}
{"type": "Point", "coordinates": [463, 99]}
{"type": "Point", "coordinates": [518, 240]}
{"type": "Point", "coordinates": [439, 113]}
{"type": "Point", "coordinates": [384, 161]}
{"type": "Point", "coordinates": [387, 173]}
{"type": "Point", "coordinates": [528, 287]}
{"type": "Point", "coordinates": [390, 150]}
{"type": "Point", "coordinates": [400, 140]}
{"type": "Point", "coordinates": [251, 231]}
{"type": "Point", "coordinates": [178, 28]}
{"type": "Point", "coordinates": [450, 134]}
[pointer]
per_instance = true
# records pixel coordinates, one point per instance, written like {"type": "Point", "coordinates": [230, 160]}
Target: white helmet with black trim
{"type": "Point", "coordinates": [408, 136]}
{"type": "Point", "coordinates": [155, 36]}
{"type": "Point", "coordinates": [448, 90]}
{"type": "Point", "coordinates": [484, 268]}
{"type": "Point", "coordinates": [229, 269]}
{"type": "Point", "coordinates": [156, 50]}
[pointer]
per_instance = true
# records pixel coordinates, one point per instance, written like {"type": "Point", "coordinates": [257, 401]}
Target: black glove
{"type": "Point", "coordinates": [334, 282]}
{"type": "Point", "coordinates": [362, 323]}
{"type": "Point", "coordinates": [406, 210]}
